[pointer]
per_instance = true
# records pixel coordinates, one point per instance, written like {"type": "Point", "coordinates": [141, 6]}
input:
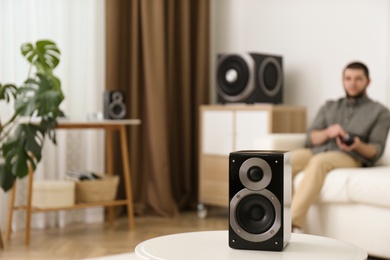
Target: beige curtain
{"type": "Point", "coordinates": [157, 52]}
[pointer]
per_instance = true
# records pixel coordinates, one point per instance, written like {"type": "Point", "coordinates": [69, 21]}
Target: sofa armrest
{"type": "Point", "coordinates": [282, 141]}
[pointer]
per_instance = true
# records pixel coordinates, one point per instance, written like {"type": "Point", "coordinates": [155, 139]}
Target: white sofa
{"type": "Point", "coordinates": [354, 204]}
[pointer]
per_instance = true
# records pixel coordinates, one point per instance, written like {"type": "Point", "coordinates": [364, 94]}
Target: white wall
{"type": "Point", "coordinates": [316, 39]}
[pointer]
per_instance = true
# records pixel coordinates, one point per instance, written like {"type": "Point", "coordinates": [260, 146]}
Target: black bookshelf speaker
{"type": "Point", "coordinates": [114, 105]}
{"type": "Point", "coordinates": [259, 200]}
{"type": "Point", "coordinates": [249, 78]}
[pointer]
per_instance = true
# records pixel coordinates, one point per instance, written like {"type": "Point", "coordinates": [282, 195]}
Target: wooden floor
{"type": "Point", "coordinates": [83, 241]}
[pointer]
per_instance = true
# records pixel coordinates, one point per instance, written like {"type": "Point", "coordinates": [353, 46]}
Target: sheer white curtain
{"type": "Point", "coordinates": [78, 29]}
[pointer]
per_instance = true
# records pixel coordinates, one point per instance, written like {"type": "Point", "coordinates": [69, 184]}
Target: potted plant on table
{"type": "Point", "coordinates": [36, 108]}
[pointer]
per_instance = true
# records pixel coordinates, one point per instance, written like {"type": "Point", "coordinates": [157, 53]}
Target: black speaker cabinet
{"type": "Point", "coordinates": [259, 200]}
{"type": "Point", "coordinates": [249, 78]}
{"type": "Point", "coordinates": [114, 105]}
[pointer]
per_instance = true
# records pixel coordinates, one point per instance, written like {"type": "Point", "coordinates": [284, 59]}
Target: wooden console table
{"type": "Point", "coordinates": [109, 126]}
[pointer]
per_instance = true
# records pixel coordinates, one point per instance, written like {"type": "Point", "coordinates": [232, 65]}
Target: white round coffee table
{"type": "Point", "coordinates": [214, 245]}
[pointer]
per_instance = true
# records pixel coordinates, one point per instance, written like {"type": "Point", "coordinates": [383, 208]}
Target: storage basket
{"type": "Point", "coordinates": [98, 190]}
{"type": "Point", "coordinates": [53, 194]}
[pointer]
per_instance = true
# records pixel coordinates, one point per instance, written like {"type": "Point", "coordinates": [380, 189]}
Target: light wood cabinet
{"type": "Point", "coordinates": [228, 128]}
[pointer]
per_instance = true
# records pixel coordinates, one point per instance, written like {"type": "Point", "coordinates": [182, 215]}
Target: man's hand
{"type": "Point", "coordinates": [318, 137]}
{"type": "Point", "coordinates": [335, 131]}
{"type": "Point", "coordinates": [347, 148]}
{"type": "Point", "coordinates": [362, 148]}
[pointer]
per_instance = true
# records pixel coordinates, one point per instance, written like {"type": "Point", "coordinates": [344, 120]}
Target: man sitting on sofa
{"type": "Point", "coordinates": [348, 132]}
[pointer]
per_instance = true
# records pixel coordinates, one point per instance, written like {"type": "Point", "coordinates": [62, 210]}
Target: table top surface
{"type": "Point", "coordinates": [64, 122]}
{"type": "Point", "coordinates": [214, 245]}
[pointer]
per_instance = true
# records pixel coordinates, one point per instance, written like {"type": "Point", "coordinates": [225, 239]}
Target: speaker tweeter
{"type": "Point", "coordinates": [114, 105]}
{"type": "Point", "coordinates": [259, 200]}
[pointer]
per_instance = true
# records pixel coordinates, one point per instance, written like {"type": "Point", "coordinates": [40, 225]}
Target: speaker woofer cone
{"type": "Point", "coordinates": [255, 214]}
{"type": "Point", "coordinates": [117, 110]}
{"type": "Point", "coordinates": [234, 80]}
{"type": "Point", "coordinates": [270, 79]}
{"type": "Point", "coordinates": [245, 214]}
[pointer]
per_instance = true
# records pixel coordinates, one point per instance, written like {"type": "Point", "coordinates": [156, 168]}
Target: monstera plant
{"type": "Point", "coordinates": [36, 106]}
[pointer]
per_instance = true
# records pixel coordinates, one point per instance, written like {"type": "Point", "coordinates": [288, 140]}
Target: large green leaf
{"type": "Point", "coordinates": [7, 91]}
{"type": "Point", "coordinates": [23, 148]}
{"type": "Point", "coordinates": [45, 55]}
{"type": "Point", "coordinates": [7, 179]}
{"type": "Point", "coordinates": [34, 140]}
{"type": "Point", "coordinates": [39, 96]}
{"type": "Point", "coordinates": [9, 148]}
{"type": "Point", "coordinates": [20, 167]}
{"type": "Point", "coordinates": [49, 124]}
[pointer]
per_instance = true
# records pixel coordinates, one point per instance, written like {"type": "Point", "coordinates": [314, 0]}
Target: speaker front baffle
{"type": "Point", "coordinates": [259, 200]}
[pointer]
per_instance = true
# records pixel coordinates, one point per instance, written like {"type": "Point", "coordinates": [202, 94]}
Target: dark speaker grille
{"type": "Point", "coordinates": [233, 75]}
{"type": "Point", "coordinates": [255, 214]}
{"type": "Point", "coordinates": [270, 76]}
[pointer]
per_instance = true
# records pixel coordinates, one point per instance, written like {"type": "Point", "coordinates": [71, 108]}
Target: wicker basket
{"type": "Point", "coordinates": [103, 189]}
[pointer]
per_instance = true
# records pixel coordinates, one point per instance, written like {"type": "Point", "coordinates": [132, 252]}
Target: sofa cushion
{"type": "Point", "coordinates": [385, 158]}
{"type": "Point", "coordinates": [369, 186]}
{"type": "Point", "coordinates": [280, 141]}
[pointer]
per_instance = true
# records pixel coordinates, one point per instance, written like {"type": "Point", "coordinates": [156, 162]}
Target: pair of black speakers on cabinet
{"type": "Point", "coordinates": [259, 200]}
{"type": "Point", "coordinates": [249, 77]}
